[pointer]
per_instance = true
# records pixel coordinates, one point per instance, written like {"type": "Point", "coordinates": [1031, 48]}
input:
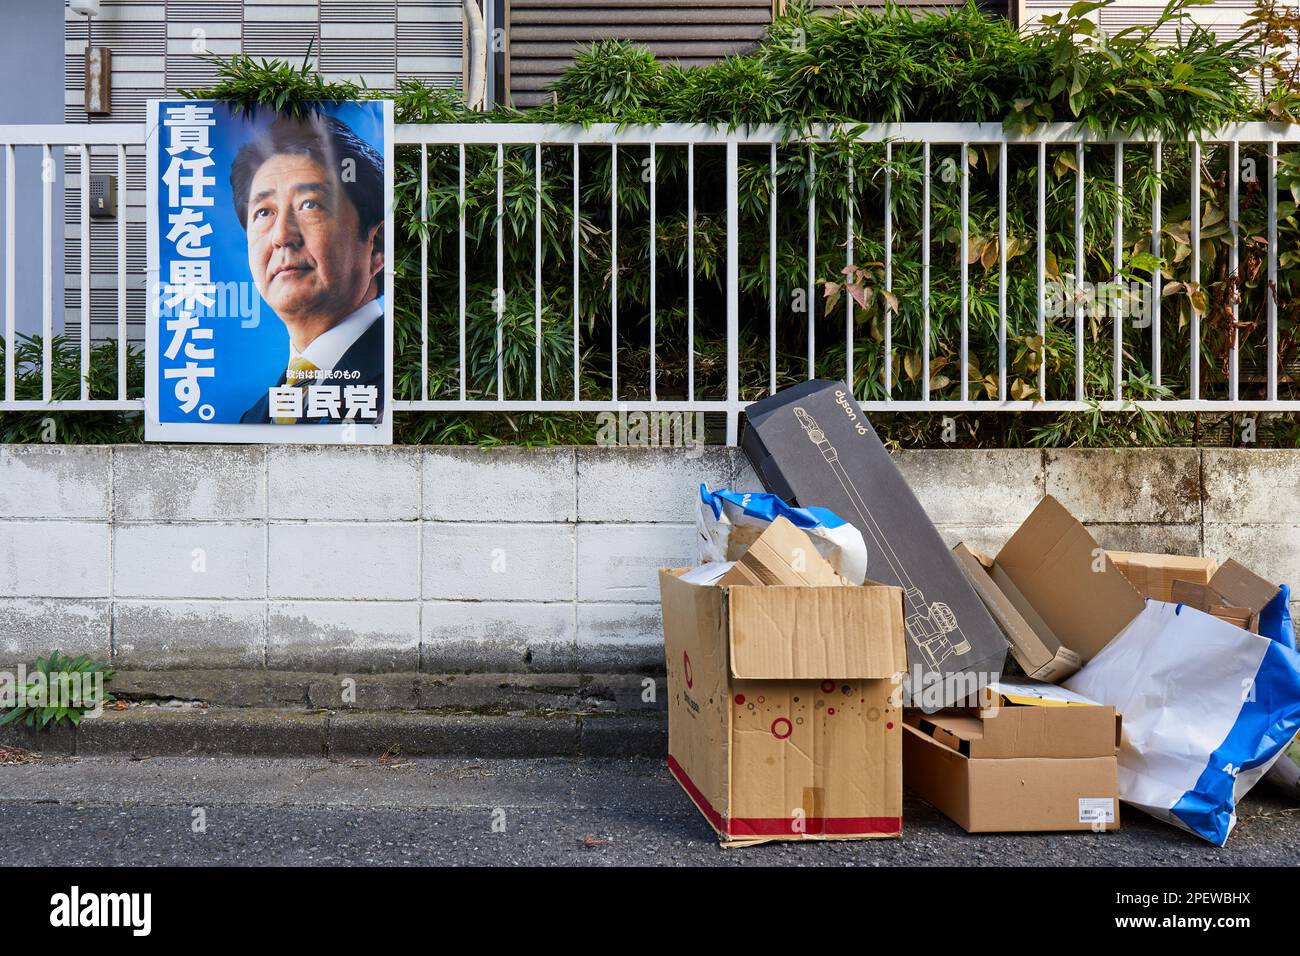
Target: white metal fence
{"type": "Point", "coordinates": [81, 140]}
{"type": "Point", "coordinates": [926, 139]}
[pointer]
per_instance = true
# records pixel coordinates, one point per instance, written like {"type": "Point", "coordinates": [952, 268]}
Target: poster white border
{"type": "Point", "coordinates": [344, 433]}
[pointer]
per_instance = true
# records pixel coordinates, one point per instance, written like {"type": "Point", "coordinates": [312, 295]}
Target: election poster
{"type": "Point", "coordinates": [270, 273]}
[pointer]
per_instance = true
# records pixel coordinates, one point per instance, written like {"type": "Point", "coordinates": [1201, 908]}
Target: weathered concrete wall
{"type": "Point", "coordinates": [451, 559]}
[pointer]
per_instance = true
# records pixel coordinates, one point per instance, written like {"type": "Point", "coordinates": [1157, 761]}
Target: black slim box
{"type": "Point", "coordinates": [812, 445]}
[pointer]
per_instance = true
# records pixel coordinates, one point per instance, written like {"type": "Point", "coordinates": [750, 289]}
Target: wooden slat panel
{"type": "Point", "coordinates": [666, 51]}
{"type": "Point", "coordinates": [692, 14]}
{"type": "Point", "coordinates": [994, 6]}
{"type": "Point", "coordinates": [637, 33]}
{"type": "Point", "coordinates": [545, 34]}
{"type": "Point", "coordinates": [610, 6]}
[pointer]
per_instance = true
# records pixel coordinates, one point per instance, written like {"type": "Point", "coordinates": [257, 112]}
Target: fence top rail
{"type": "Point", "coordinates": [559, 134]}
{"type": "Point", "coordinates": [72, 134]}
{"type": "Point", "coordinates": [133, 134]}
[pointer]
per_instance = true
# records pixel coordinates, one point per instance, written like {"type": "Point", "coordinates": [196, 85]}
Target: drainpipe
{"type": "Point", "coordinates": [476, 86]}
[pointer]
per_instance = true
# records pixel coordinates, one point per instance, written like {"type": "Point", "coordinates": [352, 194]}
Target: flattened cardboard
{"type": "Point", "coordinates": [1032, 693]}
{"type": "Point", "coordinates": [780, 758]}
{"type": "Point", "coordinates": [1154, 574]}
{"type": "Point", "coordinates": [1060, 571]}
{"type": "Point", "coordinates": [1013, 795]}
{"type": "Point", "coordinates": [812, 444]}
{"type": "Point", "coordinates": [1036, 649]}
{"type": "Point", "coordinates": [783, 554]}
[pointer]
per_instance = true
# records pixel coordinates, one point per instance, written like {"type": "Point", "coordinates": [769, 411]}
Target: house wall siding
{"type": "Point", "coordinates": [545, 34]}
{"type": "Point", "coordinates": [157, 50]}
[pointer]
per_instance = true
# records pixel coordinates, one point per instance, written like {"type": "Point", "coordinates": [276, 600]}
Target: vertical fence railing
{"type": "Point", "coordinates": [44, 166]}
{"type": "Point", "coordinates": [931, 145]}
{"type": "Point", "coordinates": [958, 312]}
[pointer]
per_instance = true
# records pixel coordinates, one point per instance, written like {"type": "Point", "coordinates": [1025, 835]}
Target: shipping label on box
{"type": "Point", "coordinates": [812, 445]}
{"type": "Point", "coordinates": [784, 714]}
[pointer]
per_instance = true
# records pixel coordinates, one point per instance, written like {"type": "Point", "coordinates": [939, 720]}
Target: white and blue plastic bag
{"type": "Point", "coordinates": [1207, 709]}
{"type": "Point", "coordinates": [1275, 623]}
{"type": "Point", "coordinates": [719, 513]}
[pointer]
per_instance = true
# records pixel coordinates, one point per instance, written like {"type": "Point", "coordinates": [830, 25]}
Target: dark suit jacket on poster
{"type": "Point", "coordinates": [365, 357]}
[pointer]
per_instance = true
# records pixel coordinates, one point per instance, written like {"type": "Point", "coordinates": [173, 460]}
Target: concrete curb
{"type": "Point", "coordinates": [481, 693]}
{"type": "Point", "coordinates": [158, 731]}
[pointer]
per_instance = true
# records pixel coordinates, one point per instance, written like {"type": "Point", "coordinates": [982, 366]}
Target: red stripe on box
{"type": "Point", "coordinates": [692, 791]}
{"type": "Point", "coordinates": [781, 826]}
{"type": "Point", "coordinates": [813, 826]}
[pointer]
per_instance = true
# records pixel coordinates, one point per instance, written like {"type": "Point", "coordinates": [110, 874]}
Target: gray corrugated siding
{"type": "Point", "coordinates": [544, 34]}
{"type": "Point", "coordinates": [153, 44]}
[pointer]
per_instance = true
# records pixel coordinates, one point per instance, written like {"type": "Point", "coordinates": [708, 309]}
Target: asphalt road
{"type": "Point", "coordinates": [317, 812]}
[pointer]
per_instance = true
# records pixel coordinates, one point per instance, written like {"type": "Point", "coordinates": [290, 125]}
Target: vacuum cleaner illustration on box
{"type": "Point", "coordinates": [933, 628]}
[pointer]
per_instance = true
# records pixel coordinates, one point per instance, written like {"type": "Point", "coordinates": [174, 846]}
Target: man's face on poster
{"type": "Point", "coordinates": [306, 252]}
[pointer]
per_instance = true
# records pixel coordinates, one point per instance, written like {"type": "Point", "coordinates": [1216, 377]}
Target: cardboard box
{"type": "Point", "coordinates": [1242, 588]}
{"type": "Point", "coordinates": [783, 555]}
{"type": "Point", "coordinates": [812, 445]}
{"type": "Point", "coordinates": [1205, 598]}
{"type": "Point", "coordinates": [1037, 650]}
{"type": "Point", "coordinates": [1233, 594]}
{"type": "Point", "coordinates": [783, 722]}
{"type": "Point", "coordinates": [1154, 574]}
{"type": "Point", "coordinates": [1053, 568]}
{"type": "Point", "coordinates": [1024, 765]}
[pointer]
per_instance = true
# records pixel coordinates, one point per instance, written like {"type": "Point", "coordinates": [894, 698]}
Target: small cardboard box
{"type": "Point", "coordinates": [1030, 763]}
{"type": "Point", "coordinates": [1036, 649]}
{"type": "Point", "coordinates": [812, 445]}
{"type": "Point", "coordinates": [1068, 592]}
{"type": "Point", "coordinates": [783, 555]}
{"type": "Point", "coordinates": [783, 718]}
{"type": "Point", "coordinates": [1205, 598]}
{"type": "Point", "coordinates": [1242, 588]}
{"type": "Point", "coordinates": [1234, 594]}
{"type": "Point", "coordinates": [1154, 574]}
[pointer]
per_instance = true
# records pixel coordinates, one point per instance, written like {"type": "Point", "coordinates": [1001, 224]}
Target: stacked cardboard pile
{"type": "Point", "coordinates": [801, 703]}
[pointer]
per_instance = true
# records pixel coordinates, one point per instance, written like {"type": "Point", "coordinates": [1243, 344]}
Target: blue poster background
{"type": "Point", "coordinates": [248, 360]}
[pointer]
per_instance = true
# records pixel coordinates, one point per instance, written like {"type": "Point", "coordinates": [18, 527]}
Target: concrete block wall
{"type": "Point", "coordinates": [458, 559]}
{"type": "Point", "coordinates": [348, 559]}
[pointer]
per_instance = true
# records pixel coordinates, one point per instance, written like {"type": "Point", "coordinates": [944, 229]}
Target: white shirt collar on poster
{"type": "Point", "coordinates": [326, 349]}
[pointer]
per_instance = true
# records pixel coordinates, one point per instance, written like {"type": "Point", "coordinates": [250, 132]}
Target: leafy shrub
{"type": "Point", "coordinates": [60, 671]}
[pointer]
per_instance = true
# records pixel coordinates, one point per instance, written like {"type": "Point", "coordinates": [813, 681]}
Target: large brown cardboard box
{"type": "Point", "coordinates": [1017, 767]}
{"type": "Point", "coordinates": [1154, 574]}
{"type": "Point", "coordinates": [783, 716]}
